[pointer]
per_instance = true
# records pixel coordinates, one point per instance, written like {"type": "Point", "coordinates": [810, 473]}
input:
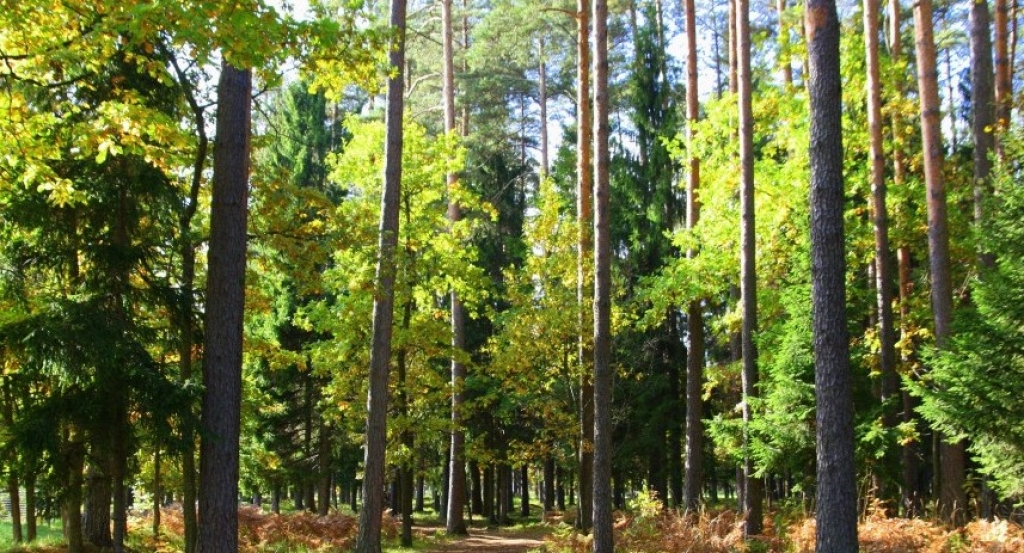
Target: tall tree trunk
{"type": "Point", "coordinates": [785, 57]}
{"type": "Point", "coordinates": [549, 484]}
{"type": "Point", "coordinates": [96, 519]}
{"type": "Point", "coordinates": [695, 313]}
{"type": "Point", "coordinates": [602, 482]}
{"type": "Point", "coordinates": [883, 256]}
{"type": "Point", "coordinates": [12, 475]}
{"type": "Point", "coordinates": [542, 85]}
{"type": "Point", "coordinates": [186, 312]}
{"type": "Point", "coordinates": [754, 494]}
{"type": "Point", "coordinates": [368, 539]}
{"type": "Point", "coordinates": [734, 44]}
{"type": "Point", "coordinates": [30, 507]}
{"type": "Point", "coordinates": [489, 510]}
{"type": "Point", "coordinates": [836, 530]}
{"type": "Point", "coordinates": [952, 498]}
{"type": "Point", "coordinates": [1004, 70]}
{"type": "Point", "coordinates": [524, 472]}
{"type": "Point", "coordinates": [324, 479]}
{"type": "Point", "coordinates": [585, 289]}
{"type": "Point", "coordinates": [476, 497]}
{"type": "Point", "coordinates": [983, 119]}
{"type": "Point", "coordinates": [405, 469]}
{"type": "Point", "coordinates": [71, 507]}
{"type": "Point", "coordinates": [454, 524]}
{"type": "Point", "coordinates": [157, 491]}
{"type": "Point", "coordinates": [225, 301]}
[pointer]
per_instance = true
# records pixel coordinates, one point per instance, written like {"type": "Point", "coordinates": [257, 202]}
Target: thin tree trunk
{"type": "Point", "coordinates": [542, 72]}
{"type": "Point", "coordinates": [585, 289]}
{"type": "Point", "coordinates": [695, 313]}
{"type": "Point", "coordinates": [12, 475]}
{"type": "Point", "coordinates": [836, 513]}
{"type": "Point", "coordinates": [225, 299]}
{"type": "Point", "coordinates": [71, 515]}
{"type": "Point", "coordinates": [368, 539]}
{"type": "Point", "coordinates": [157, 491]}
{"type": "Point", "coordinates": [324, 464]}
{"type": "Point", "coordinates": [405, 471]}
{"type": "Point", "coordinates": [454, 524]}
{"type": "Point", "coordinates": [752, 507]}
{"type": "Point", "coordinates": [883, 256]}
{"type": "Point", "coordinates": [549, 484]}
{"type": "Point", "coordinates": [1004, 71]}
{"type": "Point", "coordinates": [952, 498]}
{"type": "Point", "coordinates": [524, 472]}
{"type": "Point", "coordinates": [983, 120]}
{"type": "Point", "coordinates": [602, 482]}
{"type": "Point", "coordinates": [785, 58]}
{"type": "Point", "coordinates": [734, 85]}
{"type": "Point", "coordinates": [476, 497]}
{"type": "Point", "coordinates": [31, 529]}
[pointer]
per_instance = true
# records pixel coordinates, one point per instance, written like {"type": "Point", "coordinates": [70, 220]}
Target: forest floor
{"type": "Point", "coordinates": [490, 540]}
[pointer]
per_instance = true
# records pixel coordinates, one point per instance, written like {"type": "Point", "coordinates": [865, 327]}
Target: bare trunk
{"type": "Point", "coordinates": [602, 483]}
{"type": "Point", "coordinates": [543, 100]}
{"type": "Point", "coordinates": [784, 49]}
{"type": "Point", "coordinates": [368, 539]}
{"type": "Point", "coordinates": [1004, 71]}
{"type": "Point", "coordinates": [752, 507]}
{"type": "Point", "coordinates": [585, 291]}
{"type": "Point", "coordinates": [883, 256]}
{"type": "Point", "coordinates": [454, 523]}
{"type": "Point", "coordinates": [952, 498]}
{"type": "Point", "coordinates": [695, 314]}
{"type": "Point", "coordinates": [983, 120]}
{"type": "Point", "coordinates": [225, 295]}
{"type": "Point", "coordinates": [836, 513]}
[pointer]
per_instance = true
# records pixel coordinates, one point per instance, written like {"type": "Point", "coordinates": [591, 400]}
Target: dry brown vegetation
{"type": "Point", "coordinates": [722, 532]}
{"type": "Point", "coordinates": [259, 531]}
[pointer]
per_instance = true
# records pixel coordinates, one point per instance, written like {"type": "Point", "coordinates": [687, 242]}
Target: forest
{"type": "Point", "coordinates": [639, 275]}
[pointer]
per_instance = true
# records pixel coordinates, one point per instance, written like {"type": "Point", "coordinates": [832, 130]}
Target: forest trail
{"type": "Point", "coordinates": [486, 540]}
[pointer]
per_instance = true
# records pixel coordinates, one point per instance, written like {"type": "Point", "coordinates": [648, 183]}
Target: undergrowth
{"type": "Point", "coordinates": [645, 527]}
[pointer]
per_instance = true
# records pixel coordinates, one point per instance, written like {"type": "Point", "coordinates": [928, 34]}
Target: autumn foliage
{"type": "Point", "coordinates": [647, 528]}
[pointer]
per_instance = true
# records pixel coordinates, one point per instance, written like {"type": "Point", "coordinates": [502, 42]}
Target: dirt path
{"type": "Point", "coordinates": [482, 540]}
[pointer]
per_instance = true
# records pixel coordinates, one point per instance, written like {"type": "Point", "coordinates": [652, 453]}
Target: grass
{"type": "Point", "coordinates": [48, 536]}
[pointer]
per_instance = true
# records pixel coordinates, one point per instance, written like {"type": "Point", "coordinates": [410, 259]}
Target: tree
{"type": "Point", "coordinates": [695, 315]}
{"type": "Point", "coordinates": [368, 540]}
{"type": "Point", "coordinates": [602, 505]}
{"type": "Point", "coordinates": [836, 529]}
{"type": "Point", "coordinates": [748, 265]}
{"type": "Point", "coordinates": [883, 261]}
{"type": "Point", "coordinates": [222, 373]}
{"type": "Point", "coordinates": [984, 104]}
{"type": "Point", "coordinates": [454, 524]}
{"type": "Point", "coordinates": [584, 282]}
{"type": "Point", "coordinates": [952, 497]}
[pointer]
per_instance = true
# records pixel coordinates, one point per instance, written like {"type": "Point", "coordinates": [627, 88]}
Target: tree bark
{"type": "Point", "coordinates": [883, 263]}
{"type": "Point", "coordinates": [96, 519]}
{"type": "Point", "coordinates": [225, 302]}
{"type": "Point", "coordinates": [368, 538]}
{"type": "Point", "coordinates": [754, 494]}
{"type": "Point", "coordinates": [836, 529]}
{"type": "Point", "coordinates": [524, 472]}
{"type": "Point", "coordinates": [585, 289]}
{"type": "Point", "coordinates": [952, 498]}
{"type": "Point", "coordinates": [784, 48]}
{"type": "Point", "coordinates": [549, 484]}
{"type": "Point", "coordinates": [71, 508]}
{"type": "Point", "coordinates": [1004, 70]}
{"type": "Point", "coordinates": [983, 119]}
{"type": "Point", "coordinates": [695, 313]}
{"type": "Point", "coordinates": [454, 524]}
{"type": "Point", "coordinates": [602, 482]}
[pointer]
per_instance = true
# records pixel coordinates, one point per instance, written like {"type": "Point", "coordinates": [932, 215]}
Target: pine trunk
{"type": "Point", "coordinates": [883, 263]}
{"type": "Point", "coordinates": [836, 528]}
{"type": "Point", "coordinates": [983, 120]}
{"type": "Point", "coordinates": [694, 314]}
{"type": "Point", "coordinates": [225, 302]}
{"type": "Point", "coordinates": [602, 481]}
{"type": "Point", "coordinates": [754, 494]}
{"type": "Point", "coordinates": [584, 192]}
{"type": "Point", "coordinates": [952, 498]}
{"type": "Point", "coordinates": [454, 523]}
{"type": "Point", "coordinates": [368, 538]}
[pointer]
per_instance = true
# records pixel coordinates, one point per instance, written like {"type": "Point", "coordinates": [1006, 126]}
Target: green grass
{"type": "Point", "coordinates": [47, 536]}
